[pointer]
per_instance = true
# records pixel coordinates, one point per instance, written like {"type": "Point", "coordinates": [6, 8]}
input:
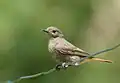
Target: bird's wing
{"type": "Point", "coordinates": [66, 48]}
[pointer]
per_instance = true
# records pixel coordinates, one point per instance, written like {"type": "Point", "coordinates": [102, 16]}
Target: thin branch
{"type": "Point", "coordinates": [35, 75]}
{"type": "Point", "coordinates": [54, 69]}
{"type": "Point", "coordinates": [99, 52]}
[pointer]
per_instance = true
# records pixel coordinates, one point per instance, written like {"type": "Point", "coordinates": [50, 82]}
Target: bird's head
{"type": "Point", "coordinates": [53, 32]}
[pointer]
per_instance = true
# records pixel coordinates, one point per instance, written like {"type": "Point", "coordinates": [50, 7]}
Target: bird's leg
{"type": "Point", "coordinates": [58, 66]}
{"type": "Point", "coordinates": [63, 65]}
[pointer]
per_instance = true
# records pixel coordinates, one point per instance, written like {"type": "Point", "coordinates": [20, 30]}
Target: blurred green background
{"type": "Point", "coordinates": [90, 24]}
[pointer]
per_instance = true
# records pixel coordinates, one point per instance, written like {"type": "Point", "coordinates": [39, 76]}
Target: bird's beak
{"type": "Point", "coordinates": [44, 30]}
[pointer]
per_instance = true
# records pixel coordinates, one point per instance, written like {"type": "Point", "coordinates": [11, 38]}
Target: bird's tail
{"type": "Point", "coordinates": [96, 59]}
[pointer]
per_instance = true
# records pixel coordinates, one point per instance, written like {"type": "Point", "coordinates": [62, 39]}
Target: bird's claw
{"type": "Point", "coordinates": [58, 67]}
{"type": "Point", "coordinates": [62, 66]}
{"type": "Point", "coordinates": [65, 65]}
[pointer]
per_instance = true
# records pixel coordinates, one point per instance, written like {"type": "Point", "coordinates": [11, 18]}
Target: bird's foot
{"type": "Point", "coordinates": [63, 65]}
{"type": "Point", "coordinates": [58, 66]}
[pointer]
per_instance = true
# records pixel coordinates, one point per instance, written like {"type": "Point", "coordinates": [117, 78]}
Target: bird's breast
{"type": "Point", "coordinates": [51, 46]}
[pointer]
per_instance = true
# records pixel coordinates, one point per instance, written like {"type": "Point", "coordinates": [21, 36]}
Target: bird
{"type": "Point", "coordinates": [65, 52]}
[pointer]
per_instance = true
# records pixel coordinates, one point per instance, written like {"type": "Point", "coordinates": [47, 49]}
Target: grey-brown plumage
{"type": "Point", "coordinates": [64, 51]}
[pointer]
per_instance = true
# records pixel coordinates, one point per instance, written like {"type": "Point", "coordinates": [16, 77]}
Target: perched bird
{"type": "Point", "coordinates": [65, 52]}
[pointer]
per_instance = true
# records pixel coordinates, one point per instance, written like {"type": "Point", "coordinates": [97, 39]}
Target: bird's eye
{"type": "Point", "coordinates": [53, 31]}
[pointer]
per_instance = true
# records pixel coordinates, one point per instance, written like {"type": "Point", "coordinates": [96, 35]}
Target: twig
{"type": "Point", "coordinates": [99, 52]}
{"type": "Point", "coordinates": [54, 69]}
{"type": "Point", "coordinates": [35, 75]}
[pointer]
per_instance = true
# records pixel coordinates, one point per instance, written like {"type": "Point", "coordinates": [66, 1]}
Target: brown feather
{"type": "Point", "coordinates": [96, 59]}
